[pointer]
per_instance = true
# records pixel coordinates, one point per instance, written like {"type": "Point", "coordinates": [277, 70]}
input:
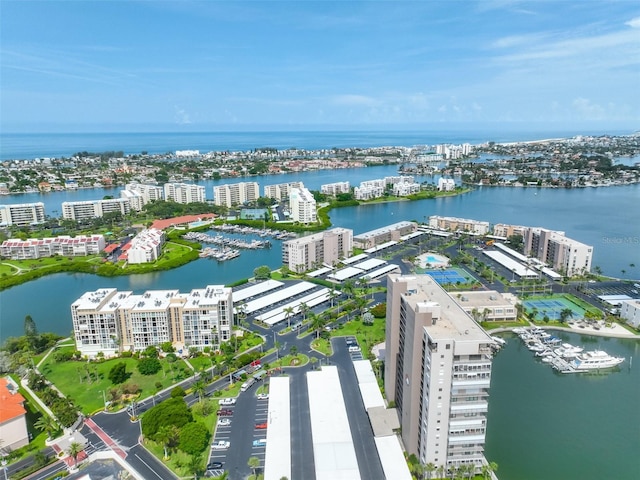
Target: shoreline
{"type": "Point", "coordinates": [624, 334]}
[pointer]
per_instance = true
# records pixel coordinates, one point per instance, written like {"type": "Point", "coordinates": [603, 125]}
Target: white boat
{"type": "Point", "coordinates": [499, 341]}
{"type": "Point", "coordinates": [567, 350]}
{"type": "Point", "coordinates": [595, 360]}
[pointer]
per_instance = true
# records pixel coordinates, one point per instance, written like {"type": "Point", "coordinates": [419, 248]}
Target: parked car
{"type": "Point", "coordinates": [214, 466]}
{"type": "Point", "coordinates": [261, 426]}
{"type": "Point", "coordinates": [261, 442]}
{"type": "Point", "coordinates": [221, 445]}
{"type": "Point", "coordinates": [224, 422]}
{"type": "Point", "coordinates": [225, 412]}
{"type": "Point", "coordinates": [351, 341]}
{"type": "Point", "coordinates": [354, 348]}
{"type": "Point", "coordinates": [263, 396]}
{"type": "Point", "coordinates": [227, 402]}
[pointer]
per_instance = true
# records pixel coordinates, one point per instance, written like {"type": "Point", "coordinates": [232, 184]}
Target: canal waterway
{"type": "Point", "coordinates": [541, 425]}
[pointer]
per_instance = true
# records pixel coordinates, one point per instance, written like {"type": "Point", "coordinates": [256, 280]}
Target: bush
{"type": "Point", "coordinates": [178, 392]}
{"type": "Point", "coordinates": [170, 412]}
{"type": "Point", "coordinates": [118, 373]}
{"type": "Point", "coordinates": [149, 366]}
{"type": "Point", "coordinates": [194, 438]}
{"type": "Point", "coordinates": [379, 311]}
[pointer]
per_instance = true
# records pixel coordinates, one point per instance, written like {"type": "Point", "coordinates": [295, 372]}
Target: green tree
{"type": "Point", "coordinates": [194, 438]}
{"type": "Point", "coordinates": [565, 314]}
{"type": "Point", "coordinates": [254, 464]}
{"type": "Point", "coordinates": [47, 424]}
{"type": "Point", "coordinates": [74, 450]}
{"type": "Point", "coordinates": [317, 322]}
{"type": "Point", "coordinates": [173, 411]}
{"type": "Point", "coordinates": [262, 272]}
{"type": "Point", "coordinates": [118, 373]}
{"type": "Point", "coordinates": [288, 312]}
{"type": "Point", "coordinates": [149, 366]}
{"type": "Point", "coordinates": [178, 392]}
{"type": "Point", "coordinates": [198, 389]}
{"type": "Point", "coordinates": [163, 435]}
{"type": "Point", "coordinates": [294, 351]}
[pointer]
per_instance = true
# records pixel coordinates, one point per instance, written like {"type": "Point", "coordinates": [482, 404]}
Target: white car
{"type": "Point", "coordinates": [225, 402]}
{"type": "Point", "coordinates": [221, 445]}
{"type": "Point", "coordinates": [354, 348]}
{"type": "Point", "coordinates": [263, 396]}
{"type": "Point", "coordinates": [224, 422]}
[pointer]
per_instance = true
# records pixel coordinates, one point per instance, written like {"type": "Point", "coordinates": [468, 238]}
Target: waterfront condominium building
{"type": "Point", "coordinates": [446, 184]}
{"type": "Point", "coordinates": [135, 199]}
{"type": "Point", "coordinates": [390, 233]}
{"type": "Point", "coordinates": [438, 373]}
{"type": "Point", "coordinates": [235, 193]}
{"type": "Point", "coordinates": [33, 248]}
{"type": "Point", "coordinates": [563, 254]}
{"type": "Point", "coordinates": [461, 225]}
{"type": "Point", "coordinates": [335, 188]}
{"type": "Point", "coordinates": [149, 193]}
{"type": "Point", "coordinates": [94, 208]}
{"type": "Point", "coordinates": [184, 193]}
{"type": "Point", "coordinates": [281, 191]}
{"type": "Point", "coordinates": [302, 205]}
{"type": "Point", "coordinates": [146, 246]}
{"type": "Point", "coordinates": [505, 230]}
{"type": "Point", "coordinates": [309, 252]}
{"type": "Point", "coordinates": [22, 214]}
{"type": "Point", "coordinates": [109, 321]}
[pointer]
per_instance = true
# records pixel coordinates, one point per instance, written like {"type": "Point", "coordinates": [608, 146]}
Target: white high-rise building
{"type": "Point", "coordinates": [135, 199]}
{"type": "Point", "coordinates": [311, 251]}
{"type": "Point", "coordinates": [234, 194]}
{"type": "Point", "coordinates": [302, 205]}
{"type": "Point", "coordinates": [94, 208]}
{"type": "Point", "coordinates": [149, 193]}
{"type": "Point", "coordinates": [281, 191]}
{"type": "Point", "coordinates": [109, 321]}
{"type": "Point", "coordinates": [184, 193]}
{"type": "Point", "coordinates": [335, 188]}
{"type": "Point", "coordinates": [146, 246]}
{"type": "Point", "coordinates": [561, 253]}
{"type": "Point", "coordinates": [446, 184]}
{"type": "Point", "coordinates": [438, 373]}
{"type": "Point", "coordinates": [22, 214]}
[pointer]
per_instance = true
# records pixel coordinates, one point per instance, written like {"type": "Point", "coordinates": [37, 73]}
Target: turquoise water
{"type": "Point", "coordinates": [546, 425]}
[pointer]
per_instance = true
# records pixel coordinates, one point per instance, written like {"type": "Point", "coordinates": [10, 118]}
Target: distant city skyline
{"type": "Point", "coordinates": [250, 66]}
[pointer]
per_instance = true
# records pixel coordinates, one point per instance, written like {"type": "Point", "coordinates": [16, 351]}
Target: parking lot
{"type": "Point", "coordinates": [239, 436]}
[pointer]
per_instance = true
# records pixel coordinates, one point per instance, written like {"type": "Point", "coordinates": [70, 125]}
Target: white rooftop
{"type": "Point", "coordinates": [277, 460]}
{"type": "Point", "coordinates": [511, 264]}
{"type": "Point", "coordinates": [253, 290]}
{"type": "Point", "coordinates": [333, 451]}
{"type": "Point", "coordinates": [369, 264]}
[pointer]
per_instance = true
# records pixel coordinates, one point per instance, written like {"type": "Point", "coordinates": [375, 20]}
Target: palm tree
{"type": "Point", "coordinates": [348, 287]}
{"type": "Point", "coordinates": [74, 450]}
{"type": "Point", "coordinates": [195, 465]}
{"type": "Point", "coordinates": [288, 311]}
{"type": "Point", "coordinates": [429, 468]}
{"type": "Point", "coordinates": [441, 471]}
{"type": "Point", "coordinates": [46, 424]}
{"type": "Point", "coordinates": [333, 295]}
{"type": "Point", "coordinates": [254, 463]}
{"type": "Point", "coordinates": [294, 351]}
{"type": "Point", "coordinates": [304, 309]}
{"type": "Point", "coordinates": [198, 389]}
{"type": "Point", "coordinates": [317, 322]}
{"type": "Point", "coordinates": [163, 435]}
{"type": "Point", "coordinates": [565, 313]}
{"type": "Point", "coordinates": [534, 313]}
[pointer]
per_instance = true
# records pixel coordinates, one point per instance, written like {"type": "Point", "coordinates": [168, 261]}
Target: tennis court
{"type": "Point", "coordinates": [552, 307]}
{"type": "Point", "coordinates": [451, 275]}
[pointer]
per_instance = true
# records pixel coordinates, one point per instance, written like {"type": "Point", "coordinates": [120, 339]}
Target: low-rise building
{"type": "Point", "coordinates": [459, 225]}
{"type": "Point", "coordinates": [146, 246]}
{"type": "Point", "coordinates": [504, 230]}
{"type": "Point", "coordinates": [311, 251]}
{"type": "Point", "coordinates": [488, 305]}
{"type": "Point", "coordinates": [382, 235]}
{"type": "Point", "coordinates": [33, 248]}
{"type": "Point", "coordinates": [13, 417]}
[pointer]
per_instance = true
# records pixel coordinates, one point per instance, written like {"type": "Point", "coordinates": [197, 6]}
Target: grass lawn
{"type": "Point", "coordinates": [323, 346]}
{"type": "Point", "coordinates": [367, 335]}
{"type": "Point", "coordinates": [201, 361]}
{"type": "Point", "coordinates": [178, 460]}
{"type": "Point", "coordinates": [290, 361]}
{"type": "Point", "coordinates": [88, 396]}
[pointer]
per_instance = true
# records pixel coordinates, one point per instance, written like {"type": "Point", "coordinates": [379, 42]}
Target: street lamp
{"type": "Point", "coordinates": [5, 468]}
{"type": "Point", "coordinates": [104, 400]}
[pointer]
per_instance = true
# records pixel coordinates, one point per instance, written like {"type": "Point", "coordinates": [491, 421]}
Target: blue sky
{"type": "Point", "coordinates": [238, 65]}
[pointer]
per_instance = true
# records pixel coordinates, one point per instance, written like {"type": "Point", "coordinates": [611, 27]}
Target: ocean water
{"type": "Point", "coordinates": [40, 145]}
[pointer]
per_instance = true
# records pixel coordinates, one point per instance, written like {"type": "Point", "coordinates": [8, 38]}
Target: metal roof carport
{"type": "Point", "coordinates": [277, 459]}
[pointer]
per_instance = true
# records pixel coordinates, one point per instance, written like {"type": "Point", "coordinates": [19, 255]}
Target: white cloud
{"type": "Point", "coordinates": [181, 116]}
{"type": "Point", "coordinates": [634, 22]}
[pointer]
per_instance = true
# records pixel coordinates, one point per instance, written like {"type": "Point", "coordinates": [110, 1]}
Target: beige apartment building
{"type": "Point", "coordinates": [22, 214]}
{"type": "Point", "coordinates": [461, 225]}
{"type": "Point", "coordinates": [438, 373]}
{"type": "Point", "coordinates": [234, 194]}
{"type": "Point", "coordinates": [309, 252]}
{"type": "Point", "coordinates": [110, 321]}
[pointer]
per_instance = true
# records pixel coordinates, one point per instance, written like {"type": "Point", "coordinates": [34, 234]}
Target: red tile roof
{"type": "Point", "coordinates": [162, 224]}
{"type": "Point", "coordinates": [10, 403]}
